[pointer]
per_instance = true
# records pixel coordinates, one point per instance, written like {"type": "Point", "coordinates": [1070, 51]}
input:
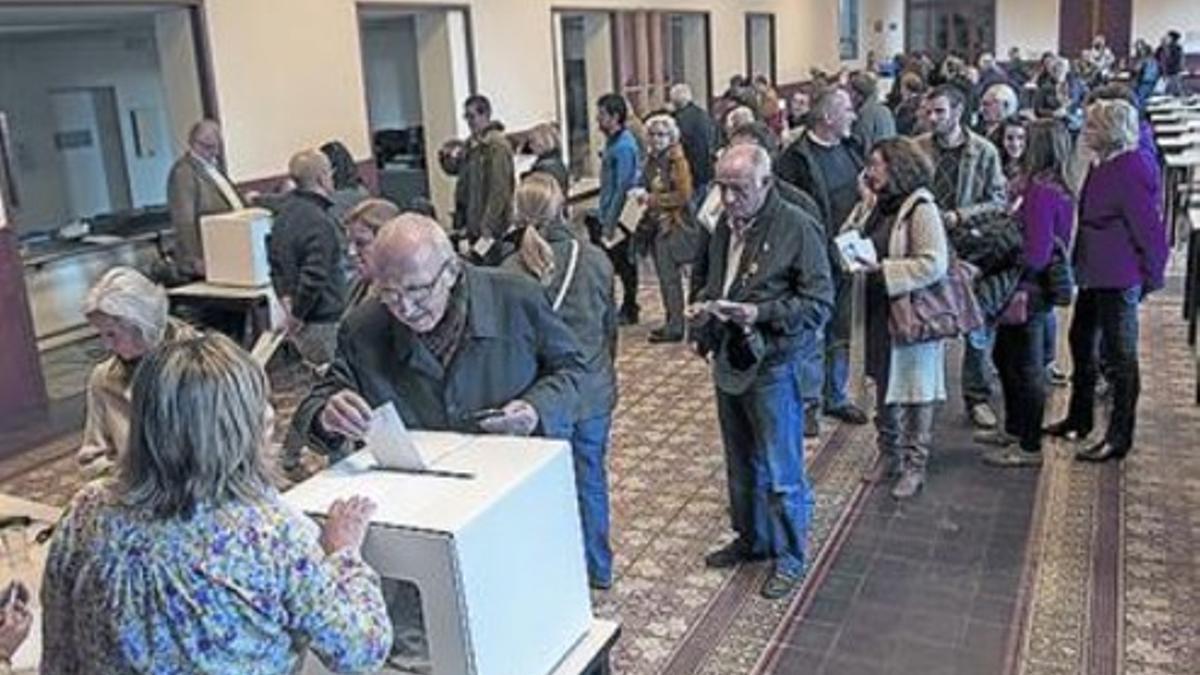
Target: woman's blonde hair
{"type": "Point", "coordinates": [371, 213]}
{"type": "Point", "coordinates": [126, 295]}
{"type": "Point", "coordinates": [538, 202]}
{"type": "Point", "coordinates": [1111, 127]}
{"type": "Point", "coordinates": [544, 135]}
{"type": "Point", "coordinates": [198, 428]}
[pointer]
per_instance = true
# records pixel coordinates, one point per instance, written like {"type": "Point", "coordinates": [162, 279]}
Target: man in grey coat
{"type": "Point", "coordinates": [196, 187]}
{"type": "Point", "coordinates": [453, 346]}
{"type": "Point", "coordinates": [875, 121]}
{"type": "Point", "coordinates": [968, 180]}
{"type": "Point", "coordinates": [767, 287]}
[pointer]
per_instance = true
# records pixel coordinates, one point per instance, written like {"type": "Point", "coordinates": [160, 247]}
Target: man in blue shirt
{"type": "Point", "coordinates": [619, 172]}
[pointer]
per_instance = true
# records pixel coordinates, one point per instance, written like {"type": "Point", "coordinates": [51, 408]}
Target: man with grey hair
{"type": "Point", "coordinates": [697, 135]}
{"type": "Point", "coordinates": [197, 186]}
{"type": "Point", "coordinates": [767, 286]}
{"type": "Point", "coordinates": [998, 103]}
{"type": "Point", "coordinates": [453, 346]}
{"type": "Point", "coordinates": [825, 163]}
{"type": "Point", "coordinates": [304, 250]}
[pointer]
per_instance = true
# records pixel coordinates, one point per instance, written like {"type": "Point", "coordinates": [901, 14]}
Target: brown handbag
{"type": "Point", "coordinates": [946, 309]}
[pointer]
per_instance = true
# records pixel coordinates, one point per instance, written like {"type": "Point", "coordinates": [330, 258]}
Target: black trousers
{"type": "Point", "coordinates": [1019, 355]}
{"type": "Point", "coordinates": [624, 265]}
{"type": "Point", "coordinates": [1111, 316]}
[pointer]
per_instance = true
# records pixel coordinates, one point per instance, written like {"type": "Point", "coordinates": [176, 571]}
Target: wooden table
{"type": "Point", "coordinates": [258, 307]}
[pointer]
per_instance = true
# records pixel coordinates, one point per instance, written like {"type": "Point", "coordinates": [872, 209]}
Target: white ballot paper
{"type": "Point", "coordinates": [634, 209]}
{"type": "Point", "coordinates": [390, 443]}
{"type": "Point", "coordinates": [854, 249]}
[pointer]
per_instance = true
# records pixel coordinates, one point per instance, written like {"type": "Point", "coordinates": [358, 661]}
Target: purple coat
{"type": "Point", "coordinates": [1122, 240]}
{"type": "Point", "coordinates": [1047, 213]}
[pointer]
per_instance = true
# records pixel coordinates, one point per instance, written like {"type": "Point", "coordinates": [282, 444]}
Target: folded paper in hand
{"type": "Point", "coordinates": [390, 443]}
{"type": "Point", "coordinates": [634, 209]}
{"type": "Point", "coordinates": [854, 250]}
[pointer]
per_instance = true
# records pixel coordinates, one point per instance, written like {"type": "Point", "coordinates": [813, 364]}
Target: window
{"type": "Point", "coordinates": [848, 29]}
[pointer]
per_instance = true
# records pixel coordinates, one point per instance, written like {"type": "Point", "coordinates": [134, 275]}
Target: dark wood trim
{"type": "Point", "coordinates": [772, 45]}
{"type": "Point", "coordinates": [23, 397]}
{"type": "Point", "coordinates": [1107, 616]}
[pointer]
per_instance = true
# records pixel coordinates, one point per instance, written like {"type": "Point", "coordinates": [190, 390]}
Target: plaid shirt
{"type": "Point", "coordinates": [445, 337]}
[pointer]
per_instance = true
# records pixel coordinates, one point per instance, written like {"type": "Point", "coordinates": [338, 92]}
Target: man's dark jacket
{"type": "Point", "coordinates": [305, 254]}
{"type": "Point", "coordinates": [798, 165]}
{"type": "Point", "coordinates": [697, 135]}
{"type": "Point", "coordinates": [513, 347]}
{"type": "Point", "coordinates": [784, 271]}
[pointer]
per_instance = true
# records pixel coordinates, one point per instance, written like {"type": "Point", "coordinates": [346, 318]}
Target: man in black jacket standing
{"type": "Point", "coordinates": [768, 283]}
{"type": "Point", "coordinates": [697, 135]}
{"type": "Point", "coordinates": [305, 254]}
{"type": "Point", "coordinates": [825, 163]}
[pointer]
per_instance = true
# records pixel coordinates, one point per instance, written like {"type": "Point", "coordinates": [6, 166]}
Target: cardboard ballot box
{"type": "Point", "coordinates": [496, 557]}
{"type": "Point", "coordinates": [235, 247]}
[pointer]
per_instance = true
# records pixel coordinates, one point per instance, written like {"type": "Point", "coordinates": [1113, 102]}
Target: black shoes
{"type": "Point", "coordinates": [1067, 429]}
{"type": "Point", "coordinates": [731, 555]}
{"type": "Point", "coordinates": [848, 413]}
{"type": "Point", "coordinates": [1102, 452]}
{"type": "Point", "coordinates": [628, 316]}
{"type": "Point", "coordinates": [812, 423]}
{"type": "Point", "coordinates": [659, 335]}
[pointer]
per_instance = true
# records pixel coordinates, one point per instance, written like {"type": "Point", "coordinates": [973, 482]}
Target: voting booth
{"type": "Point", "coordinates": [489, 535]}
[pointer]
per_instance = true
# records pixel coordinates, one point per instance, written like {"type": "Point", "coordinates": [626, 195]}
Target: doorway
{"type": "Point", "coordinates": [417, 70]}
{"type": "Point", "coordinates": [966, 28]}
{"type": "Point", "coordinates": [760, 45]}
{"type": "Point", "coordinates": [90, 149]}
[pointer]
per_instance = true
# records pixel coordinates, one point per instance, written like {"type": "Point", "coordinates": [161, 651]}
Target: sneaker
{"type": "Point", "coordinates": [731, 555]}
{"type": "Point", "coordinates": [909, 484]}
{"type": "Point", "coordinates": [812, 423]}
{"type": "Point", "coordinates": [1057, 376]}
{"type": "Point", "coordinates": [982, 416]}
{"type": "Point", "coordinates": [1012, 457]}
{"type": "Point", "coordinates": [659, 335]}
{"type": "Point", "coordinates": [779, 584]}
{"type": "Point", "coordinates": [848, 413]}
{"type": "Point", "coordinates": [997, 437]}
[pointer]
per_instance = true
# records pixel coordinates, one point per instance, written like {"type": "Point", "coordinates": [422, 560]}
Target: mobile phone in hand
{"type": "Point", "coordinates": [486, 414]}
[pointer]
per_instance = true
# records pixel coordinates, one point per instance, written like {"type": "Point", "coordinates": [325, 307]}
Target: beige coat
{"type": "Point", "coordinates": [191, 194]}
{"type": "Point", "coordinates": [918, 257]}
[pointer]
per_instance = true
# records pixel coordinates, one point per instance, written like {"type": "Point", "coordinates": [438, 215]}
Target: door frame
{"type": "Point", "coordinates": [773, 46]}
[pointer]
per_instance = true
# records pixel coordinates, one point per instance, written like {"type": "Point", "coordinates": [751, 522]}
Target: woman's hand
{"type": "Point", "coordinates": [865, 194]}
{"type": "Point", "coordinates": [15, 619]}
{"type": "Point", "coordinates": [347, 524]}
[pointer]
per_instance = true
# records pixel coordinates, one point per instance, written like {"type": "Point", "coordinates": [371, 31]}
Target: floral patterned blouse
{"type": "Point", "coordinates": [241, 588]}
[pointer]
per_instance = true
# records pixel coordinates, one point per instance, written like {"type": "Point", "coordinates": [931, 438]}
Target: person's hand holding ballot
{"type": "Point", "coordinates": [741, 313]}
{"type": "Point", "coordinates": [349, 415]}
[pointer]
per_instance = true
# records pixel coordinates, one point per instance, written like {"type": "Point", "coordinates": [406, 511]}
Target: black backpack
{"type": "Point", "coordinates": [991, 240]}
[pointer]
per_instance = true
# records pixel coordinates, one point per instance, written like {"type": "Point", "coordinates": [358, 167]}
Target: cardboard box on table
{"type": "Point", "coordinates": [497, 558]}
{"type": "Point", "coordinates": [235, 247]}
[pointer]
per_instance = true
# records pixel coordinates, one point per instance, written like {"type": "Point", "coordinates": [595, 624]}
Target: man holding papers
{"type": "Point", "coordinates": [452, 346]}
{"type": "Point", "coordinates": [768, 283]}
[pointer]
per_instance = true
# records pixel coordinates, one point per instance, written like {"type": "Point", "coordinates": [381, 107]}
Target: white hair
{"type": "Point", "coordinates": [125, 294]}
{"type": "Point", "coordinates": [1006, 95]}
{"type": "Point", "coordinates": [681, 94]}
{"type": "Point", "coordinates": [666, 122]}
{"type": "Point", "coordinates": [1111, 127]}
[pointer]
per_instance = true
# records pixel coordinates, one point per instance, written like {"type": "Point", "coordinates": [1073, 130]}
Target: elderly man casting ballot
{"type": "Point", "coordinates": [453, 346]}
{"type": "Point", "coordinates": [768, 282]}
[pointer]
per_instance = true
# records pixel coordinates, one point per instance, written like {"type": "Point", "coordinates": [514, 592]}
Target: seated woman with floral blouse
{"type": "Point", "coordinates": [187, 560]}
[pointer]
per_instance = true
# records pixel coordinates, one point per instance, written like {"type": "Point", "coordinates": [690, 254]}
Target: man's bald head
{"type": "Point", "coordinates": [312, 171]}
{"type": "Point", "coordinates": [415, 268]}
{"type": "Point", "coordinates": [744, 174]}
{"type": "Point", "coordinates": [204, 140]}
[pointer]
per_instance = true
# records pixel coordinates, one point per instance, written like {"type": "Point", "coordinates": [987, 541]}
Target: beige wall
{"type": "Point", "coordinates": [288, 73]}
{"type": "Point", "coordinates": [1153, 18]}
{"type": "Point", "coordinates": [1031, 25]}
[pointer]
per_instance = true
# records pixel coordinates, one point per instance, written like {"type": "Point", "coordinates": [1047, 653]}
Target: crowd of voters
{"type": "Point", "coordinates": [995, 194]}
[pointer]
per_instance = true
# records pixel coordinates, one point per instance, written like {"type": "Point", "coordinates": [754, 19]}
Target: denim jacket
{"type": "Point", "coordinates": [619, 171]}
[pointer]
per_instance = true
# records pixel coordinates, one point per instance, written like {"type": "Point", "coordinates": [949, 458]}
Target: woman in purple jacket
{"type": "Point", "coordinates": [1120, 256]}
{"type": "Point", "coordinates": [1045, 208]}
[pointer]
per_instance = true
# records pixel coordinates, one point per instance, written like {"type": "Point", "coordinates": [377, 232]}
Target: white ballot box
{"type": "Point", "coordinates": [490, 537]}
{"type": "Point", "coordinates": [235, 247]}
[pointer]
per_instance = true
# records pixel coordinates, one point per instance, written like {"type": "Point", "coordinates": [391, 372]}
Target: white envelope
{"type": "Point", "coordinates": [389, 442]}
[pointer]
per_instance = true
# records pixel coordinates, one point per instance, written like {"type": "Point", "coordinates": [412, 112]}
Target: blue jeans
{"type": "Point", "coordinates": [1022, 367]}
{"type": "Point", "coordinates": [589, 448]}
{"type": "Point", "coordinates": [1108, 318]}
{"type": "Point", "coordinates": [1050, 338]}
{"type": "Point", "coordinates": [769, 499]}
{"type": "Point", "coordinates": [978, 375]}
{"type": "Point", "coordinates": [837, 344]}
{"type": "Point", "coordinates": [810, 366]}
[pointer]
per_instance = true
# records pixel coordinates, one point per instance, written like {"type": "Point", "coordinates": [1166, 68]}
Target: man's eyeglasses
{"type": "Point", "coordinates": [417, 294]}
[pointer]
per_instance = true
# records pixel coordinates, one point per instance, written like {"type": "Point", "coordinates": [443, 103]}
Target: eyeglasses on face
{"type": "Point", "coordinates": [417, 294]}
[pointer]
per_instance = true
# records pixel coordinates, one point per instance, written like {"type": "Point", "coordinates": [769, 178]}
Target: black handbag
{"type": "Point", "coordinates": [1059, 276]}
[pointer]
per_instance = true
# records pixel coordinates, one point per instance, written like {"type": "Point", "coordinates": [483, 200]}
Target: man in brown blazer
{"type": "Point", "coordinates": [198, 187]}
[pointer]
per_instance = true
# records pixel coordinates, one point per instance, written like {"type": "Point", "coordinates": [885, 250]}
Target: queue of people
{"type": "Point", "coordinates": [748, 205]}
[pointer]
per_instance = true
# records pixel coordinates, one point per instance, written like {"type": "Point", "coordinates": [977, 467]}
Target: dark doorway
{"type": "Point", "coordinates": [966, 28]}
